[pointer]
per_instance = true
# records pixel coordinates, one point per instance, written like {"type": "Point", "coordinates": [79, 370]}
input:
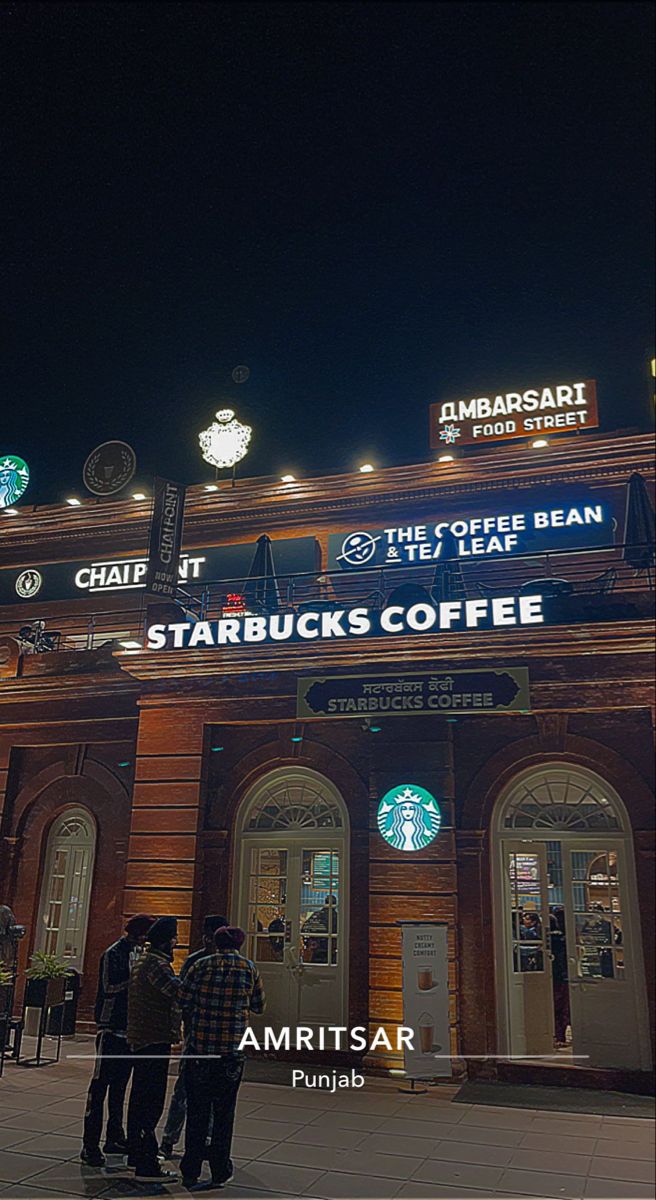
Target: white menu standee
{"type": "Point", "coordinates": [426, 998]}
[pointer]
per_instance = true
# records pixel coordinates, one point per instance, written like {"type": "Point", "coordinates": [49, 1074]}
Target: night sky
{"type": "Point", "coordinates": [373, 206]}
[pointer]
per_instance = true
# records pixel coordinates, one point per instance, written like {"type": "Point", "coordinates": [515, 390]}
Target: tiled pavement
{"type": "Point", "coordinates": [375, 1143]}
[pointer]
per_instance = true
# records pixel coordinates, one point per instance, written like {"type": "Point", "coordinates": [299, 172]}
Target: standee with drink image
{"type": "Point", "coordinates": [426, 998]}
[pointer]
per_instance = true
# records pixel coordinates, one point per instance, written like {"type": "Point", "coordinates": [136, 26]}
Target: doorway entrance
{"type": "Point", "coordinates": [291, 893]}
{"type": "Point", "coordinates": [570, 976]}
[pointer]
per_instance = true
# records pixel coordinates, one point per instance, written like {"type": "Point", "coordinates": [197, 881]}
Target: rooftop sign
{"type": "Point", "coordinates": [557, 408]}
{"type": "Point", "coordinates": [501, 611]}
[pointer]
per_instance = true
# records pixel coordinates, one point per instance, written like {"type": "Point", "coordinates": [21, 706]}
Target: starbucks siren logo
{"type": "Point", "coordinates": [408, 817]}
{"type": "Point", "coordinates": [14, 478]}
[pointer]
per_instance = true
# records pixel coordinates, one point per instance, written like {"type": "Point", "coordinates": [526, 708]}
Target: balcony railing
{"type": "Point", "coordinates": [585, 585]}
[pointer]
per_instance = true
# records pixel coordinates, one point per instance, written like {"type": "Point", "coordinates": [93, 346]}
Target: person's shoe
{"type": "Point", "coordinates": [92, 1156]}
{"type": "Point", "coordinates": [189, 1183]}
{"type": "Point", "coordinates": [117, 1146]}
{"type": "Point", "coordinates": [166, 1148]}
{"type": "Point", "coordinates": [155, 1174]}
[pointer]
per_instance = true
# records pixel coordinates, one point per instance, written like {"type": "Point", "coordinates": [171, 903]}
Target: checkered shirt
{"type": "Point", "coordinates": [217, 995]}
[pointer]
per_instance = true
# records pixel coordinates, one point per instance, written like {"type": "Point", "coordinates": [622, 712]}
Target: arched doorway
{"type": "Point", "coordinates": [291, 893]}
{"type": "Point", "coordinates": [569, 967]}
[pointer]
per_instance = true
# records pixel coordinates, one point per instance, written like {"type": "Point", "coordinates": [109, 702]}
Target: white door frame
{"type": "Point", "coordinates": [302, 837]}
{"type": "Point", "coordinates": [570, 841]}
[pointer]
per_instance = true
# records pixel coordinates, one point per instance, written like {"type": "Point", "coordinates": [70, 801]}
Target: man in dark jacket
{"type": "Point", "coordinates": [113, 1064]}
{"type": "Point", "coordinates": [178, 1105]}
{"type": "Point", "coordinates": [153, 1027]}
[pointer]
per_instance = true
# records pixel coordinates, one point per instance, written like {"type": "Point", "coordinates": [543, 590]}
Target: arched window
{"type": "Point", "coordinates": [560, 799]}
{"type": "Point", "coordinates": [292, 800]}
{"type": "Point", "coordinates": [66, 888]}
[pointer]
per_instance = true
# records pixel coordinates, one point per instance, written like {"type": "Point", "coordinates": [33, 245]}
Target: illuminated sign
{"type": "Point", "coordinates": [66, 580]}
{"type": "Point", "coordinates": [408, 817]}
{"type": "Point", "coordinates": [413, 692]}
{"type": "Point", "coordinates": [14, 478]}
{"type": "Point", "coordinates": [500, 611]}
{"type": "Point", "coordinates": [559, 408]}
{"type": "Point", "coordinates": [564, 523]}
{"type": "Point", "coordinates": [225, 442]}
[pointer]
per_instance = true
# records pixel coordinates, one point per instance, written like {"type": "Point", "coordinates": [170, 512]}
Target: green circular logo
{"type": "Point", "coordinates": [409, 817]}
{"type": "Point", "coordinates": [14, 478]}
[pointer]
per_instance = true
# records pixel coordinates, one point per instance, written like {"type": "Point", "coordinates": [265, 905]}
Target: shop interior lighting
{"type": "Point", "coordinates": [288, 479]}
{"type": "Point", "coordinates": [138, 495]}
{"type": "Point", "coordinates": [130, 644]}
{"type": "Point", "coordinates": [539, 444]}
{"type": "Point", "coordinates": [211, 487]}
{"type": "Point", "coordinates": [73, 501]}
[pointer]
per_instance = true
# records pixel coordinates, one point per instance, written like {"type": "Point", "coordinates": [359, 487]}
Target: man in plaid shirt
{"type": "Point", "coordinates": [217, 995]}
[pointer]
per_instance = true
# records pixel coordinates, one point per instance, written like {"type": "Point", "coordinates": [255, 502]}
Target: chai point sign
{"type": "Point", "coordinates": [394, 620]}
{"type": "Point", "coordinates": [556, 408]}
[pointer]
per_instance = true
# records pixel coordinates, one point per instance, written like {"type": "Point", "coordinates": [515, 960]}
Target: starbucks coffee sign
{"type": "Point", "coordinates": [409, 817]}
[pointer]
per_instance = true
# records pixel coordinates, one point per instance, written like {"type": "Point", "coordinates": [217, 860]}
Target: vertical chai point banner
{"type": "Point", "coordinates": [165, 538]}
{"type": "Point", "coordinates": [426, 998]}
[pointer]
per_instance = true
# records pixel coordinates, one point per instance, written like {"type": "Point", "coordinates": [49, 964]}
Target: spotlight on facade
{"type": "Point", "coordinates": [296, 738]}
{"type": "Point", "coordinates": [130, 644]}
{"type": "Point", "coordinates": [11, 512]}
{"type": "Point", "coordinates": [445, 458]}
{"type": "Point", "coordinates": [366, 468]}
{"type": "Point", "coordinates": [288, 479]}
{"type": "Point", "coordinates": [539, 444]}
{"type": "Point", "coordinates": [138, 495]}
{"type": "Point", "coordinates": [73, 501]}
{"type": "Point", "coordinates": [211, 487]}
{"type": "Point", "coordinates": [124, 764]}
{"type": "Point", "coordinates": [216, 749]}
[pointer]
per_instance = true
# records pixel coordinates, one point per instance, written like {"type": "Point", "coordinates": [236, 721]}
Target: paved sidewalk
{"type": "Point", "coordinates": [374, 1143]}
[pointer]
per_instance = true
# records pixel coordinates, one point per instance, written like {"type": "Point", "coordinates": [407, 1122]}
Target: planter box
{"type": "Point", "coordinates": [44, 993]}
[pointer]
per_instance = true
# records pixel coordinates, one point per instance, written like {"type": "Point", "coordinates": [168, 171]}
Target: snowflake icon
{"type": "Point", "coordinates": [450, 434]}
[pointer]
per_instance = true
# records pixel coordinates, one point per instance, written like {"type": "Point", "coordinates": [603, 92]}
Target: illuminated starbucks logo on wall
{"type": "Point", "coordinates": [14, 478]}
{"type": "Point", "coordinates": [408, 817]}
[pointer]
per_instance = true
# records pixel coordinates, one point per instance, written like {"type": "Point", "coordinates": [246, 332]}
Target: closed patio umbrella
{"type": "Point", "coordinates": [639, 525]}
{"type": "Point", "coordinates": [261, 587]}
{"type": "Point", "coordinates": [448, 582]}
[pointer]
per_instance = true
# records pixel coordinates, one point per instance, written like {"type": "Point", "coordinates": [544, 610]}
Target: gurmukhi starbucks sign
{"type": "Point", "coordinates": [409, 817]}
{"type": "Point", "coordinates": [412, 693]}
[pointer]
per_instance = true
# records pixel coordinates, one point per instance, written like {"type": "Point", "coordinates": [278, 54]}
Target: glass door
{"type": "Point", "coordinates": [294, 930]}
{"type": "Point", "coordinates": [527, 941]}
{"type": "Point", "coordinates": [601, 983]}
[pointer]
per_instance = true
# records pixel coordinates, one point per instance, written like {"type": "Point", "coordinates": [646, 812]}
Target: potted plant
{"type": "Point", "coordinates": [46, 984]}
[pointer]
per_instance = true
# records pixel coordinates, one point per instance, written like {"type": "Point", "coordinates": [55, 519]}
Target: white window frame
{"type": "Point", "coordinates": [57, 842]}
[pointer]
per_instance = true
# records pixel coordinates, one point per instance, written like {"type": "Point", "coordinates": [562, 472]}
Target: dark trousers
{"type": "Point", "coordinates": [212, 1087]}
{"type": "Point", "coordinates": [561, 1009]}
{"type": "Point", "coordinates": [111, 1075]}
{"type": "Point", "coordinates": [147, 1097]}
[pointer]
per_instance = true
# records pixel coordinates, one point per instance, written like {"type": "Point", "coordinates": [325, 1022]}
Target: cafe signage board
{"type": "Point", "coordinates": [165, 538]}
{"type": "Point", "coordinates": [573, 520]}
{"type": "Point", "coordinates": [413, 693]}
{"type": "Point", "coordinates": [425, 957]}
{"type": "Point", "coordinates": [99, 577]}
{"type": "Point", "coordinates": [536, 411]}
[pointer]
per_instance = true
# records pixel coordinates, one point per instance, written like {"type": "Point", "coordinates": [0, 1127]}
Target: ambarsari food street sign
{"type": "Point", "coordinates": [557, 408]}
{"type": "Point", "coordinates": [413, 692]}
